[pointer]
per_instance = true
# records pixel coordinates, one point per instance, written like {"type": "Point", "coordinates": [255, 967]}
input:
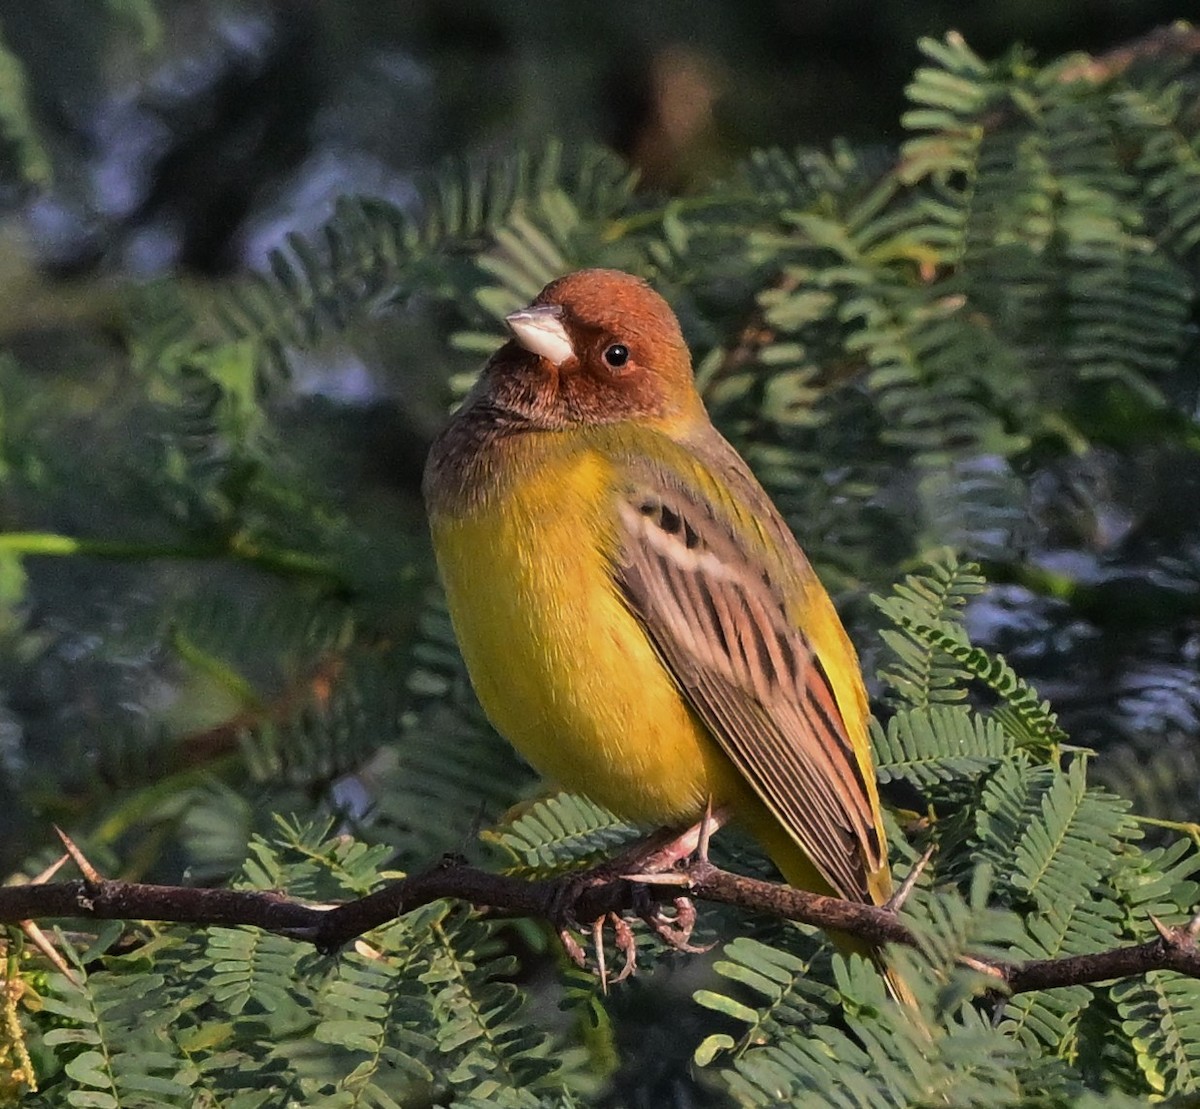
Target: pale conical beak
{"type": "Point", "coordinates": [540, 330]}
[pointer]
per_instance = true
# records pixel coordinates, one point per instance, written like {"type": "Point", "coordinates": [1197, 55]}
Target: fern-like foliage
{"type": "Point", "coordinates": [559, 833]}
{"type": "Point", "coordinates": [1168, 161]}
{"type": "Point", "coordinates": [925, 676]}
{"type": "Point", "coordinates": [528, 209]}
{"type": "Point", "coordinates": [935, 658]}
{"type": "Point", "coordinates": [897, 344]}
{"type": "Point", "coordinates": [949, 1054]}
{"type": "Point", "coordinates": [1031, 861]}
{"type": "Point", "coordinates": [936, 744]}
{"type": "Point", "coordinates": [419, 1009]}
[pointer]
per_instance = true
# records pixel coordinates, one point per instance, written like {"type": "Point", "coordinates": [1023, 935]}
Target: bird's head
{"type": "Point", "coordinates": [595, 347]}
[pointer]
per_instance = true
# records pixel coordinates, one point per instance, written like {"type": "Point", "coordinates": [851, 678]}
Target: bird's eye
{"type": "Point", "coordinates": [616, 355]}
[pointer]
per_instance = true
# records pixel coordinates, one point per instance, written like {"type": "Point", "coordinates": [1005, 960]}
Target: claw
{"type": "Point", "coordinates": [624, 942]}
{"type": "Point", "coordinates": [677, 931]}
{"type": "Point", "coordinates": [626, 945]}
{"type": "Point", "coordinates": [598, 947]}
{"type": "Point", "coordinates": [654, 862]}
{"type": "Point", "coordinates": [574, 950]}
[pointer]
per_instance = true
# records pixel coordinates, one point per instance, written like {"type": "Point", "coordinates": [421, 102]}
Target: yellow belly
{"type": "Point", "coordinates": [561, 667]}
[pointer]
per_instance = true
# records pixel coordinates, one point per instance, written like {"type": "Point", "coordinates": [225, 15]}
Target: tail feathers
{"type": "Point", "coordinates": [798, 871]}
{"type": "Point", "coordinates": [897, 988]}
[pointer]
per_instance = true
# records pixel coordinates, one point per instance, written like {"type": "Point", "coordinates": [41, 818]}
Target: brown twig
{"type": "Point", "coordinates": [1175, 949]}
{"type": "Point", "coordinates": [1172, 41]}
{"type": "Point", "coordinates": [592, 895]}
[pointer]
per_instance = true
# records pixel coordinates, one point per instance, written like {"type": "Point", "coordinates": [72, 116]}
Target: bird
{"type": "Point", "coordinates": [635, 615]}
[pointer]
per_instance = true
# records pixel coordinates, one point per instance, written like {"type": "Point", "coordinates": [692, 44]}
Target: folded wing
{"type": "Point", "coordinates": [719, 623]}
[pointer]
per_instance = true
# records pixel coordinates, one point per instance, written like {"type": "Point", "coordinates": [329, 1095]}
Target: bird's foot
{"type": "Point", "coordinates": [659, 868]}
{"type": "Point", "coordinates": [564, 897]}
{"type": "Point", "coordinates": [624, 941]}
{"type": "Point", "coordinates": [654, 862]}
{"type": "Point", "coordinates": [676, 930]}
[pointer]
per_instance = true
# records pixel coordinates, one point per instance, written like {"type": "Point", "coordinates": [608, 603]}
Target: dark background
{"type": "Point", "coordinates": [195, 135]}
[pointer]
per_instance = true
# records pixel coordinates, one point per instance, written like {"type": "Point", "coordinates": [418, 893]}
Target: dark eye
{"type": "Point", "coordinates": [616, 355]}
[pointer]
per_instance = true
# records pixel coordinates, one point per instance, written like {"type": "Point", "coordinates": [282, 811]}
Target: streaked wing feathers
{"type": "Point", "coordinates": [720, 625]}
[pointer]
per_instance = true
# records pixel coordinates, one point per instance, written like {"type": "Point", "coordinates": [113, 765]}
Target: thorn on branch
{"type": "Point", "coordinates": [896, 902]}
{"type": "Point", "coordinates": [91, 875]}
{"type": "Point", "coordinates": [51, 870]}
{"type": "Point", "coordinates": [43, 943]}
{"type": "Point", "coordinates": [1167, 934]}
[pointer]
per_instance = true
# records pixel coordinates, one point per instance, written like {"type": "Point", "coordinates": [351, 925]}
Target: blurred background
{"type": "Point", "coordinates": [184, 141]}
{"type": "Point", "coordinates": [167, 684]}
{"type": "Point", "coordinates": [193, 135]}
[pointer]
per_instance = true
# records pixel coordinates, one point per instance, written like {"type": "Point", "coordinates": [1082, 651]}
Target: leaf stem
{"type": "Point", "coordinates": [285, 563]}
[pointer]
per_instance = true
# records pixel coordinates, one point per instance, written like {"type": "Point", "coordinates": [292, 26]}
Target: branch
{"type": "Point", "coordinates": [1175, 40]}
{"type": "Point", "coordinates": [580, 898]}
{"type": "Point", "coordinates": [1175, 949]}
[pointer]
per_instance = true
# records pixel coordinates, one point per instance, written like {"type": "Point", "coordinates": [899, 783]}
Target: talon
{"type": "Point", "coordinates": [573, 948]}
{"type": "Point", "coordinates": [677, 931]}
{"type": "Point", "coordinates": [624, 941]}
{"type": "Point", "coordinates": [626, 945]}
{"type": "Point", "coordinates": [598, 947]}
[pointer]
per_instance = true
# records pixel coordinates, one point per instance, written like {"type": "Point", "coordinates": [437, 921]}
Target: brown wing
{"type": "Point", "coordinates": [719, 624]}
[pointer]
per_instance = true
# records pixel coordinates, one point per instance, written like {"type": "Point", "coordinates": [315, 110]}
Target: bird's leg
{"type": "Point", "coordinates": [655, 868]}
{"type": "Point", "coordinates": [654, 860]}
{"type": "Point", "coordinates": [676, 930]}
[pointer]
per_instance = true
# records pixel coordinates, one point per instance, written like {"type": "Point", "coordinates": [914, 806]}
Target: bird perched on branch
{"type": "Point", "coordinates": [634, 613]}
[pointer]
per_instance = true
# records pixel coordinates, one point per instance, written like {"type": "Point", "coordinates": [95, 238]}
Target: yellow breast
{"type": "Point", "coordinates": [561, 667]}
